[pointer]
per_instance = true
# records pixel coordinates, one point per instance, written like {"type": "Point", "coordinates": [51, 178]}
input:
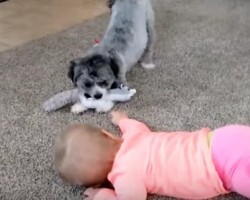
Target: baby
{"type": "Point", "coordinates": [198, 165]}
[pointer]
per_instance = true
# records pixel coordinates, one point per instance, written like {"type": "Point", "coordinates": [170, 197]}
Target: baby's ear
{"type": "Point", "coordinates": [111, 136]}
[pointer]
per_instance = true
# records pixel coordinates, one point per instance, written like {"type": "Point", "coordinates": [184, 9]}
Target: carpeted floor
{"type": "Point", "coordinates": [202, 79]}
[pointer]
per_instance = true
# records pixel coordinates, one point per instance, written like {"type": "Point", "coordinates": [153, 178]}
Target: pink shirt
{"type": "Point", "coordinates": [175, 164]}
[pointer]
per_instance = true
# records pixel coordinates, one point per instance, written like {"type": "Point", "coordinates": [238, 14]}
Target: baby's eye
{"type": "Point", "coordinates": [103, 84]}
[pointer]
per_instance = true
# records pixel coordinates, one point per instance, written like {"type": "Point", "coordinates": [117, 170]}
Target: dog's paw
{"type": "Point", "coordinates": [78, 108]}
{"type": "Point", "coordinates": [148, 65]}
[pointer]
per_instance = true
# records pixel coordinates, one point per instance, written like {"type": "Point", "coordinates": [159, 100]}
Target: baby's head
{"type": "Point", "coordinates": [84, 154]}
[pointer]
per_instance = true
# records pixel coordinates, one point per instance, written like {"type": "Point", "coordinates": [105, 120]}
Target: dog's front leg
{"type": "Point", "coordinates": [122, 79]}
{"type": "Point", "coordinates": [123, 69]}
{"type": "Point", "coordinates": [147, 58]}
{"type": "Point", "coordinates": [78, 108]}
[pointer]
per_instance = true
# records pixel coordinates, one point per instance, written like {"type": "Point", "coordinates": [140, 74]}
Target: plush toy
{"type": "Point", "coordinates": [81, 103]}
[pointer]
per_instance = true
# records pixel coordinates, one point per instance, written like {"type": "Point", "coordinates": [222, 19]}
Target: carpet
{"type": "Point", "coordinates": [202, 79]}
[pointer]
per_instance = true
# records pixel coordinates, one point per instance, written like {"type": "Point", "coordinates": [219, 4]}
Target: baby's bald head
{"type": "Point", "coordinates": [84, 154]}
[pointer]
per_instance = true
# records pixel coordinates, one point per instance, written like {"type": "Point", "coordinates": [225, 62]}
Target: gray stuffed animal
{"type": "Point", "coordinates": [81, 103]}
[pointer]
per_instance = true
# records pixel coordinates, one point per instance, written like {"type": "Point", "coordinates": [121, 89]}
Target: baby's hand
{"type": "Point", "coordinates": [117, 116]}
{"type": "Point", "coordinates": [90, 193]}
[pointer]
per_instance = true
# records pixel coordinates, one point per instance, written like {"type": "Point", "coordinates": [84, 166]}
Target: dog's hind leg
{"type": "Point", "coordinates": [147, 58]}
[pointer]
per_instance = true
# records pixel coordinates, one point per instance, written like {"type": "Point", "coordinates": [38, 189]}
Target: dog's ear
{"type": "Point", "coordinates": [74, 68]}
{"type": "Point", "coordinates": [115, 85]}
{"type": "Point", "coordinates": [71, 70]}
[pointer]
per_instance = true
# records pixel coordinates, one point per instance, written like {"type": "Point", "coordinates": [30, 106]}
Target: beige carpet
{"type": "Point", "coordinates": [202, 79]}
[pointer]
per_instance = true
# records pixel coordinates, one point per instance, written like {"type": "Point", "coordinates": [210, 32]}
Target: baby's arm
{"type": "Point", "coordinates": [60, 100]}
{"type": "Point", "coordinates": [125, 188]}
{"type": "Point", "coordinates": [127, 125]}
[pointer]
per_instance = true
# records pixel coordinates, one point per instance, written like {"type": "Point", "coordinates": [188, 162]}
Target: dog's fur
{"type": "Point", "coordinates": [129, 38]}
{"type": "Point", "coordinates": [110, 3]}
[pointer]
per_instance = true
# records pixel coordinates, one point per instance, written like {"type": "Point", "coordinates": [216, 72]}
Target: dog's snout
{"type": "Point", "coordinates": [98, 96]}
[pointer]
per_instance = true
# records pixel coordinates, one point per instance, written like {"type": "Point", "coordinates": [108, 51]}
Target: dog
{"type": "Point", "coordinates": [129, 39]}
{"type": "Point", "coordinates": [110, 3]}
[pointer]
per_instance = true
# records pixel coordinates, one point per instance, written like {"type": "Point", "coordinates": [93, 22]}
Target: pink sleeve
{"type": "Point", "coordinates": [126, 188]}
{"type": "Point", "coordinates": [131, 125]}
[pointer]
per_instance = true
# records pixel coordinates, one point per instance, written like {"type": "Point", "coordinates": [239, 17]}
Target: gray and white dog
{"type": "Point", "coordinates": [129, 39]}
